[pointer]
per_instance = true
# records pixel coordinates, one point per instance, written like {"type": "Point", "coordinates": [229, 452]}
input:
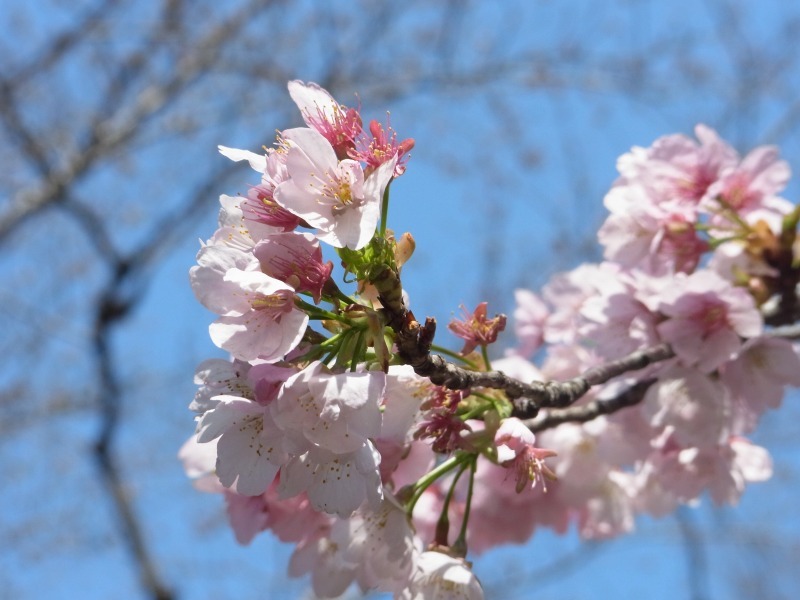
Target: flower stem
{"type": "Point", "coordinates": [385, 210]}
{"type": "Point", "coordinates": [451, 354]}
{"type": "Point", "coordinates": [460, 545]}
{"type": "Point", "coordinates": [485, 353]}
{"type": "Point", "coordinates": [427, 480]}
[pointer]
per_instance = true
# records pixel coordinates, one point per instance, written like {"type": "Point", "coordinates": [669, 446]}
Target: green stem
{"type": "Point", "coordinates": [461, 542]}
{"type": "Point", "coordinates": [317, 313]}
{"type": "Point", "coordinates": [427, 480]}
{"type": "Point", "coordinates": [486, 361]}
{"type": "Point", "coordinates": [443, 524]}
{"type": "Point", "coordinates": [384, 210]}
{"type": "Point", "coordinates": [451, 354]}
{"type": "Point", "coordinates": [360, 350]}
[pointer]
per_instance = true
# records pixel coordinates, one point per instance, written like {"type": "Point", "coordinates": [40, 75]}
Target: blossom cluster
{"type": "Point", "coordinates": [331, 427]}
{"type": "Point", "coordinates": [699, 249]}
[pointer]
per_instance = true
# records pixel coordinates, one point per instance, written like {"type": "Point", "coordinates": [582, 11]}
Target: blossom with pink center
{"type": "Point", "coordinates": [337, 123]}
{"type": "Point", "coordinates": [476, 330]}
{"type": "Point", "coordinates": [438, 576]}
{"type": "Point", "coordinates": [250, 450]}
{"type": "Point", "coordinates": [515, 450]}
{"type": "Point", "coordinates": [659, 239]}
{"type": "Point", "coordinates": [440, 422]}
{"type": "Point", "coordinates": [236, 230]}
{"type": "Point", "coordinates": [706, 316]}
{"type": "Point", "coordinates": [259, 205]}
{"type": "Point", "coordinates": [676, 169]}
{"type": "Point", "coordinates": [259, 318]}
{"type": "Point", "coordinates": [335, 197]}
{"type": "Point", "coordinates": [754, 184]}
{"type": "Point", "coordinates": [382, 147]}
{"type": "Point", "coordinates": [295, 259]}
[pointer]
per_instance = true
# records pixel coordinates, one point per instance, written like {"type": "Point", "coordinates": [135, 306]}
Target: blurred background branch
{"type": "Point", "coordinates": [110, 115]}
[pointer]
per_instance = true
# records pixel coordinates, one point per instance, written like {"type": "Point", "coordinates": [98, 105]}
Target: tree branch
{"type": "Point", "coordinates": [414, 343]}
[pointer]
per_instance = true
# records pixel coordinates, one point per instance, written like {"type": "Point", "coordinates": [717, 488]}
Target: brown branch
{"type": "Point", "coordinates": [581, 414]}
{"type": "Point", "coordinates": [414, 342]}
{"type": "Point", "coordinates": [108, 135]}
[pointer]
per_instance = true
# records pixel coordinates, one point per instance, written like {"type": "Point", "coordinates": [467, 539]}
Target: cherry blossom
{"type": "Point", "coordinates": [438, 576]}
{"type": "Point", "coordinates": [250, 447]}
{"type": "Point", "coordinates": [705, 317]}
{"type": "Point", "coordinates": [333, 196]}
{"type": "Point", "coordinates": [335, 483]}
{"type": "Point", "coordinates": [259, 318]}
{"type": "Point", "coordinates": [296, 259]}
{"type": "Point", "coordinates": [342, 426]}
{"type": "Point", "coordinates": [475, 329]}
{"type": "Point", "coordinates": [337, 123]}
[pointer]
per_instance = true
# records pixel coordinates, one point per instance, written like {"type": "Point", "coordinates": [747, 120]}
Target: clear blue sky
{"type": "Point", "coordinates": [504, 189]}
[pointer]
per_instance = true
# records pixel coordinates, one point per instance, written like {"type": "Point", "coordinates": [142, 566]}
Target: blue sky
{"type": "Point", "coordinates": [504, 189]}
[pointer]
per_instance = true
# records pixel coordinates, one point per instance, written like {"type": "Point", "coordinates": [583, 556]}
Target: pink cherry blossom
{"type": "Point", "coordinates": [259, 318]}
{"type": "Point", "coordinates": [723, 470]}
{"type": "Point", "coordinates": [650, 237]}
{"type": "Point", "coordinates": [676, 169]}
{"type": "Point", "coordinates": [199, 463]}
{"type": "Point", "coordinates": [331, 572]}
{"type": "Point", "coordinates": [475, 329]}
{"type": "Point", "coordinates": [758, 376]}
{"type": "Point", "coordinates": [753, 184]}
{"type": "Point", "coordinates": [515, 450]}
{"type": "Point", "coordinates": [236, 229]}
{"type": "Point", "coordinates": [335, 411]}
{"type": "Point", "coordinates": [530, 316]}
{"type": "Point", "coordinates": [291, 520]}
{"type": "Point", "coordinates": [250, 450]}
{"type": "Point", "coordinates": [247, 515]}
{"type": "Point", "coordinates": [335, 483]}
{"type": "Point", "coordinates": [437, 576]}
{"type": "Point", "coordinates": [330, 195]}
{"type": "Point", "coordinates": [217, 377]}
{"type": "Point", "coordinates": [207, 277]}
{"type": "Point", "coordinates": [296, 259]}
{"type": "Point", "coordinates": [706, 316]}
{"type": "Point", "coordinates": [380, 543]}
{"type": "Point", "coordinates": [381, 147]}
{"type": "Point", "coordinates": [337, 123]}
